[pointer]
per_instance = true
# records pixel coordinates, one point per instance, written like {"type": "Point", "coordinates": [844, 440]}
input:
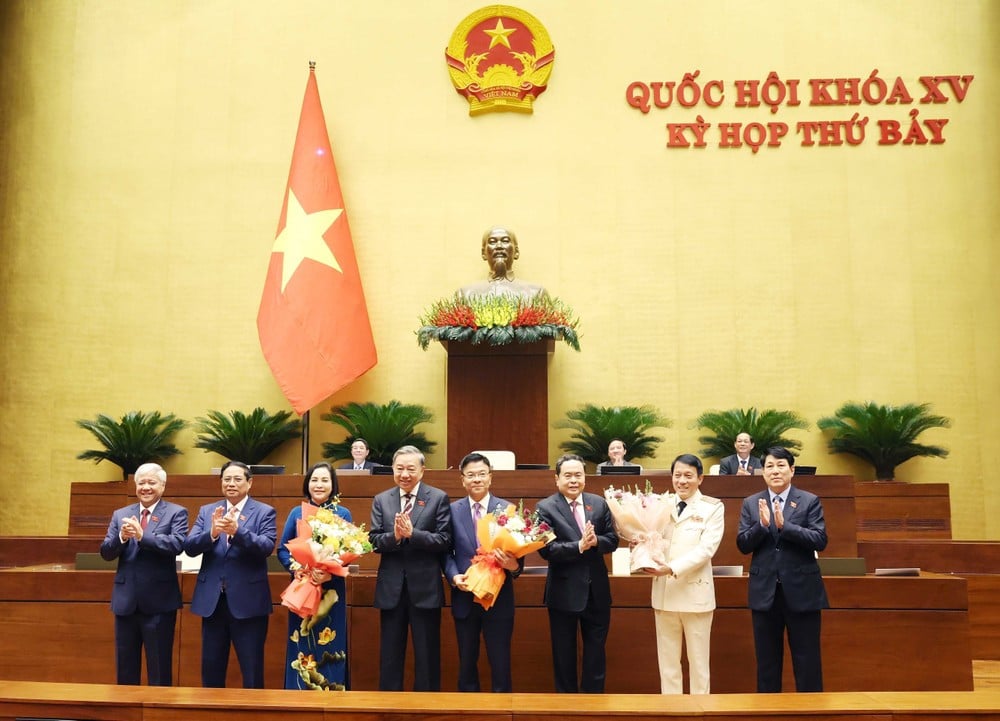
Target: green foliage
{"type": "Point", "coordinates": [884, 436]}
{"type": "Point", "coordinates": [498, 335]}
{"type": "Point", "coordinates": [498, 320]}
{"type": "Point", "coordinates": [247, 438]}
{"type": "Point", "coordinates": [596, 426]}
{"type": "Point", "coordinates": [135, 439]}
{"type": "Point", "coordinates": [385, 427]}
{"type": "Point", "coordinates": [767, 428]}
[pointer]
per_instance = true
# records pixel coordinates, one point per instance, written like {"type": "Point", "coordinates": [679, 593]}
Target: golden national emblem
{"type": "Point", "coordinates": [500, 58]}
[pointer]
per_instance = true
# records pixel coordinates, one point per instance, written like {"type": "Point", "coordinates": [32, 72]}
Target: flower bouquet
{"type": "Point", "coordinates": [498, 320]}
{"type": "Point", "coordinates": [514, 531]}
{"type": "Point", "coordinates": [645, 520]}
{"type": "Point", "coordinates": [327, 542]}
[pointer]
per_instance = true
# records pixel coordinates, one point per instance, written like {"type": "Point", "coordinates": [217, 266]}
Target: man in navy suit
{"type": "Point", "coordinates": [411, 529]}
{"type": "Point", "coordinates": [234, 537]}
{"type": "Point", "coordinates": [740, 463]}
{"type": "Point", "coordinates": [496, 624]}
{"type": "Point", "coordinates": [359, 457]}
{"type": "Point", "coordinates": [577, 589]}
{"type": "Point", "coordinates": [783, 528]}
{"type": "Point", "coordinates": [146, 537]}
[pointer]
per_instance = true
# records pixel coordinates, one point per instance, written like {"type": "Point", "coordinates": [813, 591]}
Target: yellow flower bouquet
{"type": "Point", "coordinates": [324, 541]}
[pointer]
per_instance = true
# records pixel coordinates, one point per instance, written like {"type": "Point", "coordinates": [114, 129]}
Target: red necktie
{"type": "Point", "coordinates": [144, 521]}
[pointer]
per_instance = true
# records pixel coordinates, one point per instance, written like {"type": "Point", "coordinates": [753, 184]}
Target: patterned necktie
{"type": "Point", "coordinates": [575, 506]}
{"type": "Point", "coordinates": [144, 521]}
{"type": "Point", "coordinates": [408, 503]}
{"type": "Point", "coordinates": [680, 508]}
{"type": "Point", "coordinates": [743, 463]}
{"type": "Point", "coordinates": [477, 512]}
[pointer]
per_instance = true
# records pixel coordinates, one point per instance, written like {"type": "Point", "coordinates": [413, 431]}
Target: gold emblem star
{"type": "Point", "coordinates": [302, 237]}
{"type": "Point", "coordinates": [499, 34]}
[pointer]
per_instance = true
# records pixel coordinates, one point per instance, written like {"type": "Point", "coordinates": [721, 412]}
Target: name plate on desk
{"type": "Point", "coordinates": [897, 571]}
{"type": "Point", "coordinates": [727, 570]}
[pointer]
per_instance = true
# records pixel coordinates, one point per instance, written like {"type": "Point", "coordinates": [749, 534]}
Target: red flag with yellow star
{"type": "Point", "coordinates": [313, 321]}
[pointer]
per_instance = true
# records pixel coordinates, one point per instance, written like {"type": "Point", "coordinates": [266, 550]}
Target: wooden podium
{"type": "Point", "coordinates": [498, 398]}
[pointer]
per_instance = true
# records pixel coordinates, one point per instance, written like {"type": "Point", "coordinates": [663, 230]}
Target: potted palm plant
{"type": "Point", "coordinates": [767, 428]}
{"type": "Point", "coordinates": [881, 435]}
{"type": "Point", "coordinates": [134, 439]}
{"type": "Point", "coordinates": [247, 437]}
{"type": "Point", "coordinates": [386, 427]}
{"type": "Point", "coordinates": [594, 427]}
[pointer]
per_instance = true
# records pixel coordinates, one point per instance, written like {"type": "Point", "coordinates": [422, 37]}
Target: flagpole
{"type": "Point", "coordinates": [305, 442]}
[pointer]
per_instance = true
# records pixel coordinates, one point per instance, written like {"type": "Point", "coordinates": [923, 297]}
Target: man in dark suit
{"type": "Point", "coordinates": [577, 590]}
{"type": "Point", "coordinates": [411, 528]}
{"type": "Point", "coordinates": [146, 537]}
{"type": "Point", "coordinates": [496, 624]}
{"type": "Point", "coordinates": [234, 537]}
{"type": "Point", "coordinates": [783, 528]}
{"type": "Point", "coordinates": [740, 463]}
{"type": "Point", "coordinates": [359, 456]}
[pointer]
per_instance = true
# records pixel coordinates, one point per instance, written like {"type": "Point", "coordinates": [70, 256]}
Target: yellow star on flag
{"type": "Point", "coordinates": [499, 34]}
{"type": "Point", "coordinates": [302, 237]}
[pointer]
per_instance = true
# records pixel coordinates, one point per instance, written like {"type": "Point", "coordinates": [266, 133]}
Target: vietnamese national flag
{"type": "Point", "coordinates": [313, 321]}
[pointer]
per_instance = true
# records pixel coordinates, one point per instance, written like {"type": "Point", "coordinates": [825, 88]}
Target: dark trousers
{"type": "Point", "coordinates": [803, 642]}
{"type": "Point", "coordinates": [155, 632]}
{"type": "Point", "coordinates": [496, 632]}
{"type": "Point", "coordinates": [424, 624]}
{"type": "Point", "coordinates": [593, 623]}
{"type": "Point", "coordinates": [247, 636]}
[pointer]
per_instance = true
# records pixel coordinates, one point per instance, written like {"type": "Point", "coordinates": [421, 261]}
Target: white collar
{"type": "Point", "coordinates": [485, 503]}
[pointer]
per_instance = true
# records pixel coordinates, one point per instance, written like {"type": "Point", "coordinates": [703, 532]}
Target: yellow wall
{"type": "Point", "coordinates": [146, 145]}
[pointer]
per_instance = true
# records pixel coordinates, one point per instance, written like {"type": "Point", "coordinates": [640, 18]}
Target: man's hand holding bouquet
{"type": "Point", "coordinates": [511, 534]}
{"type": "Point", "coordinates": [324, 547]}
{"type": "Point", "coordinates": [644, 519]}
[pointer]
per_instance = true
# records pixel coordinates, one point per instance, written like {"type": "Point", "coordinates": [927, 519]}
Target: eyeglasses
{"type": "Point", "coordinates": [478, 476]}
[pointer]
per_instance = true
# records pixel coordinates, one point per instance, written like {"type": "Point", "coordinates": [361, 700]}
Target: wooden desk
{"type": "Point", "coordinates": [878, 636]}
{"type": "Point", "coordinates": [976, 561]}
{"type": "Point", "coordinates": [142, 703]}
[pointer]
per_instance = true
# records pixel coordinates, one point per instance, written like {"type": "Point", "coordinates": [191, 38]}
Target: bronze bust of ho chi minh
{"type": "Point", "coordinates": [500, 251]}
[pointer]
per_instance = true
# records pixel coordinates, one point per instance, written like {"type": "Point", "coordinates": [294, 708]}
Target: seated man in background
{"type": "Point", "coordinates": [740, 463]}
{"type": "Point", "coordinates": [359, 457]}
{"type": "Point", "coordinates": [616, 456]}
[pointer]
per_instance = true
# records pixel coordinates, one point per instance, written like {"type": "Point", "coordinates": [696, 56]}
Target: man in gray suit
{"type": "Point", "coordinates": [784, 529]}
{"type": "Point", "coordinates": [411, 529]}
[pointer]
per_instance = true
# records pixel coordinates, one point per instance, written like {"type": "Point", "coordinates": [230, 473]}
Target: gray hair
{"type": "Point", "coordinates": [151, 469]}
{"type": "Point", "coordinates": [409, 451]}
